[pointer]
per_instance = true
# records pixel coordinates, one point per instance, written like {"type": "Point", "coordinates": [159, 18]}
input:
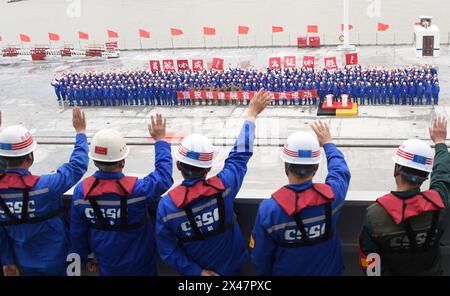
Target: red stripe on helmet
{"type": "Point", "coordinates": [24, 144]}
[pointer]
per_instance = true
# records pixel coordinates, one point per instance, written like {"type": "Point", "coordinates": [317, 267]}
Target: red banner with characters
{"type": "Point", "coordinates": [243, 95]}
{"type": "Point", "coordinates": [289, 62]}
{"type": "Point", "coordinates": [330, 63]}
{"type": "Point", "coordinates": [217, 64]}
{"type": "Point", "coordinates": [168, 65]}
{"type": "Point", "coordinates": [275, 63]}
{"type": "Point", "coordinates": [351, 59]}
{"type": "Point", "coordinates": [183, 65]}
{"type": "Point", "coordinates": [155, 66]}
{"type": "Point", "coordinates": [308, 61]}
{"type": "Point", "coordinates": [197, 65]}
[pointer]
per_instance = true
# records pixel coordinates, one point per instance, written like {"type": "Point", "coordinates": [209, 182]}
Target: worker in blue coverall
{"type": "Point", "coordinates": [70, 95]}
{"type": "Point", "coordinates": [362, 93]}
{"type": "Point", "coordinates": [391, 93]}
{"type": "Point", "coordinates": [196, 229]}
{"type": "Point", "coordinates": [383, 93]}
{"type": "Point", "coordinates": [436, 90]}
{"type": "Point", "coordinates": [428, 92]}
{"type": "Point", "coordinates": [295, 232]}
{"type": "Point", "coordinates": [404, 92]}
{"type": "Point", "coordinates": [420, 90]}
{"type": "Point", "coordinates": [34, 239]}
{"type": "Point", "coordinates": [396, 93]}
{"type": "Point", "coordinates": [57, 86]}
{"type": "Point", "coordinates": [78, 94]}
{"type": "Point", "coordinates": [377, 93]}
{"type": "Point", "coordinates": [109, 215]}
{"type": "Point", "coordinates": [411, 93]}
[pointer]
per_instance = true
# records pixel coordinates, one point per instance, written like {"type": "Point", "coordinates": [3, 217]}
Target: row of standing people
{"type": "Point", "coordinates": [197, 232]}
{"type": "Point", "coordinates": [407, 85]}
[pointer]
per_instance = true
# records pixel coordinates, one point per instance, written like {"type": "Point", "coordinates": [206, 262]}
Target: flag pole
{"type": "Point", "coordinates": [204, 40]}
{"type": "Point", "coordinates": [140, 41]}
{"type": "Point", "coordinates": [238, 40]}
{"type": "Point", "coordinates": [79, 42]}
{"type": "Point", "coordinates": [272, 38]}
{"type": "Point", "coordinates": [172, 42]}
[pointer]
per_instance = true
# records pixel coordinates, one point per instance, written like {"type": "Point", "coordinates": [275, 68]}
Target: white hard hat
{"type": "Point", "coordinates": [196, 150]}
{"type": "Point", "coordinates": [301, 148]}
{"type": "Point", "coordinates": [16, 141]}
{"type": "Point", "coordinates": [415, 154]}
{"type": "Point", "coordinates": [108, 145]}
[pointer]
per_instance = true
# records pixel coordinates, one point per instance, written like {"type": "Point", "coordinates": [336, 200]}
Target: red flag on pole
{"type": "Point", "coordinates": [351, 58]}
{"type": "Point", "coordinates": [82, 35]}
{"type": "Point", "coordinates": [209, 31]}
{"type": "Point", "coordinates": [155, 66]}
{"type": "Point", "coordinates": [176, 32]}
{"type": "Point", "coordinates": [112, 34]}
{"type": "Point", "coordinates": [25, 38]}
{"type": "Point", "coordinates": [243, 30]}
{"type": "Point", "coordinates": [183, 65]}
{"type": "Point", "coordinates": [382, 27]}
{"type": "Point", "coordinates": [289, 62]}
{"type": "Point", "coordinates": [275, 63]}
{"type": "Point", "coordinates": [217, 64]}
{"type": "Point", "coordinates": [144, 34]}
{"type": "Point", "coordinates": [312, 29]}
{"type": "Point", "coordinates": [330, 63]}
{"type": "Point", "coordinates": [350, 27]}
{"type": "Point", "coordinates": [276, 29]}
{"type": "Point", "coordinates": [197, 65]}
{"type": "Point", "coordinates": [308, 61]}
{"type": "Point", "coordinates": [53, 37]}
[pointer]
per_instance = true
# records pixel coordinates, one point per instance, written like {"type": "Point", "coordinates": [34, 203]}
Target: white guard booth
{"type": "Point", "coordinates": [426, 38]}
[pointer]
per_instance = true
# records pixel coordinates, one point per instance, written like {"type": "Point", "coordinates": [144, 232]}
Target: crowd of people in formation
{"type": "Point", "coordinates": [196, 231]}
{"type": "Point", "coordinates": [412, 85]}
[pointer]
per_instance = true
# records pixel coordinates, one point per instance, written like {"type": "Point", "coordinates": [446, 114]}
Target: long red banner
{"type": "Point", "coordinates": [243, 95]}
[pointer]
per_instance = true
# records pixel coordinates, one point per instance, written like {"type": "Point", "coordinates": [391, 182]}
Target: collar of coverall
{"type": "Point", "coordinates": [107, 175]}
{"type": "Point", "coordinates": [406, 194]}
{"type": "Point", "coordinates": [300, 186]}
{"type": "Point", "coordinates": [22, 172]}
{"type": "Point", "coordinates": [190, 182]}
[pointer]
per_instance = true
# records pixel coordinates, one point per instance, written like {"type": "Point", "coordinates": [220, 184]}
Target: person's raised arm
{"type": "Point", "coordinates": [236, 164]}
{"type": "Point", "coordinates": [440, 175]}
{"type": "Point", "coordinates": [70, 173]}
{"type": "Point", "coordinates": [338, 176]}
{"type": "Point", "coordinates": [159, 181]}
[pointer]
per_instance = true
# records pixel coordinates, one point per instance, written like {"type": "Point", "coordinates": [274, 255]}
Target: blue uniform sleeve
{"type": "Point", "coordinates": [235, 167]}
{"type": "Point", "coordinates": [70, 173]}
{"type": "Point", "coordinates": [263, 247]}
{"type": "Point", "coordinates": [338, 173]}
{"type": "Point", "coordinates": [159, 181]}
{"type": "Point", "coordinates": [79, 229]}
{"type": "Point", "coordinates": [6, 252]}
{"type": "Point", "coordinates": [170, 250]}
